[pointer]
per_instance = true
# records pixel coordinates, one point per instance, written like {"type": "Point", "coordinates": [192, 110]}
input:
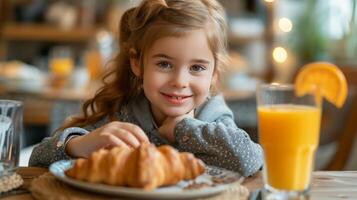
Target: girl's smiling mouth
{"type": "Point", "coordinates": [176, 99]}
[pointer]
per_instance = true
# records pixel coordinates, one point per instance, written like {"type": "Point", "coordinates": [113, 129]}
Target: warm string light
{"type": "Point", "coordinates": [285, 24]}
{"type": "Point", "coordinates": [280, 55]}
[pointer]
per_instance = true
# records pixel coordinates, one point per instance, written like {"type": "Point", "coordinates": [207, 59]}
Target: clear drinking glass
{"type": "Point", "coordinates": [289, 129]}
{"type": "Point", "coordinates": [11, 116]}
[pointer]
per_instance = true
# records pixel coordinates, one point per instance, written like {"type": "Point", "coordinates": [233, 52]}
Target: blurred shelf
{"type": "Point", "coordinates": [39, 102]}
{"type": "Point", "coordinates": [51, 93]}
{"type": "Point", "coordinates": [43, 32]}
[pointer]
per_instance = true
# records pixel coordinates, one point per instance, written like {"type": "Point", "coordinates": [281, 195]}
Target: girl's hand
{"type": "Point", "coordinates": [110, 135]}
{"type": "Point", "coordinates": [167, 128]}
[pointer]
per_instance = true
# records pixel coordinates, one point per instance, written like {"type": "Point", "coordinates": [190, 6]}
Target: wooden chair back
{"type": "Point", "coordinates": [340, 125]}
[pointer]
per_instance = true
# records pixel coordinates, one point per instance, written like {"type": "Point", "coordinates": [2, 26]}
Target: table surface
{"type": "Point", "coordinates": [325, 185]}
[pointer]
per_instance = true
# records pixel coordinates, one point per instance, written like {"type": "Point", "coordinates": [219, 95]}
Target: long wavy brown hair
{"type": "Point", "coordinates": [140, 27]}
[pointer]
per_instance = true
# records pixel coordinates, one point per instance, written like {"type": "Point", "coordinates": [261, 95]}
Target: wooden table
{"type": "Point", "coordinates": [326, 184]}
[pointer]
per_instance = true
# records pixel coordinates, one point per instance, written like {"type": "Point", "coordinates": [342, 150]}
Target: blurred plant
{"type": "Point", "coordinates": [309, 39]}
{"type": "Point", "coordinates": [348, 44]}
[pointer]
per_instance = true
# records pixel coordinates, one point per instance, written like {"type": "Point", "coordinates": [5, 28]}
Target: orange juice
{"type": "Point", "coordinates": [289, 135]}
{"type": "Point", "coordinates": [61, 66]}
{"type": "Point", "coordinates": [93, 61]}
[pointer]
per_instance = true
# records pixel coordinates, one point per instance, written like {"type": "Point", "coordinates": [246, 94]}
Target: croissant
{"type": "Point", "coordinates": [146, 167]}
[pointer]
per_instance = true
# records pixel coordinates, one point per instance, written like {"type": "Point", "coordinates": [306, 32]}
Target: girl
{"type": "Point", "coordinates": [161, 90]}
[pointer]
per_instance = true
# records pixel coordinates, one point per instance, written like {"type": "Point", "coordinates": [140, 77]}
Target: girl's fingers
{"type": "Point", "coordinates": [135, 130]}
{"type": "Point", "coordinates": [127, 137]}
{"type": "Point", "coordinates": [109, 147]}
{"type": "Point", "coordinates": [191, 113]}
{"type": "Point", "coordinates": [113, 141]}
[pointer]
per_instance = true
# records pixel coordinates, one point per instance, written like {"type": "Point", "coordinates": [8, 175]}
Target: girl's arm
{"type": "Point", "coordinates": [112, 134]}
{"type": "Point", "coordinates": [52, 149]}
{"type": "Point", "coordinates": [220, 143]}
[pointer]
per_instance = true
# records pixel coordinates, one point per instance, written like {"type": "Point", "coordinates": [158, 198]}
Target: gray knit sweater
{"type": "Point", "coordinates": [212, 136]}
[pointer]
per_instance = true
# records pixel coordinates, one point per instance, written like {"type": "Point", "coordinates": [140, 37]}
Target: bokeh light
{"type": "Point", "coordinates": [285, 24]}
{"type": "Point", "coordinates": [279, 54]}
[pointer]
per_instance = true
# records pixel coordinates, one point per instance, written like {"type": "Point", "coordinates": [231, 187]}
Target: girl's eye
{"type": "Point", "coordinates": [164, 65]}
{"type": "Point", "coordinates": [197, 68]}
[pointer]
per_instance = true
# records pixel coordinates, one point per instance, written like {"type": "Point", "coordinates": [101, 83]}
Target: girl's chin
{"type": "Point", "coordinates": [175, 113]}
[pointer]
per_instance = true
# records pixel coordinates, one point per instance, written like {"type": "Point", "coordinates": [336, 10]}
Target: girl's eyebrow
{"type": "Point", "coordinates": [160, 55]}
{"type": "Point", "coordinates": [203, 61]}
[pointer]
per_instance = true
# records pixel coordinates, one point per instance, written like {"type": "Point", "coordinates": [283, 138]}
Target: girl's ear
{"type": "Point", "coordinates": [134, 62]}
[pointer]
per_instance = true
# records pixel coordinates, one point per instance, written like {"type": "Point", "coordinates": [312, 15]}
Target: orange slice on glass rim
{"type": "Point", "coordinates": [324, 80]}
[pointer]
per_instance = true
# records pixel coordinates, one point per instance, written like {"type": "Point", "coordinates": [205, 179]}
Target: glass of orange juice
{"type": "Point", "coordinates": [61, 64]}
{"type": "Point", "coordinates": [61, 60]}
{"type": "Point", "coordinates": [289, 129]}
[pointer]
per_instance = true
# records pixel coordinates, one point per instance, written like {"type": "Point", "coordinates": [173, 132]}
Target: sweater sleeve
{"type": "Point", "coordinates": [52, 149]}
{"type": "Point", "coordinates": [220, 143]}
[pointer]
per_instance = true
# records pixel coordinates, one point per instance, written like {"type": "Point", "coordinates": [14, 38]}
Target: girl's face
{"type": "Point", "coordinates": [177, 74]}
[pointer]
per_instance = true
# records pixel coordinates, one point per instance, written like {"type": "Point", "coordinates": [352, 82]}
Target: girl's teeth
{"type": "Point", "coordinates": [178, 98]}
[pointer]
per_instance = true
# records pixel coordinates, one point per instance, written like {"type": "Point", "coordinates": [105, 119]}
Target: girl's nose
{"type": "Point", "coordinates": [180, 79]}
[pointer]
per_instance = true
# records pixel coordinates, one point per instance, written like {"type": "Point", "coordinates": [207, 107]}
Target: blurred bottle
{"type": "Point", "coordinates": [93, 62]}
{"type": "Point", "coordinates": [61, 64]}
{"type": "Point", "coordinates": [99, 53]}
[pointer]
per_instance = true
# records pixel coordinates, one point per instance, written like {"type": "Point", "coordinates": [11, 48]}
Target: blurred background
{"type": "Point", "coordinates": [53, 52]}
